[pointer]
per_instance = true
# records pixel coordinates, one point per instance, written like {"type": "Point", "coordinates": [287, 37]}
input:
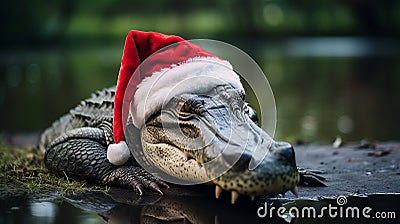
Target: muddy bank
{"type": "Point", "coordinates": [352, 169]}
{"type": "Point", "coordinates": [355, 168]}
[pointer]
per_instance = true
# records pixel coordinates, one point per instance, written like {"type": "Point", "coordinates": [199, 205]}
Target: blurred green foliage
{"type": "Point", "coordinates": [71, 21]}
{"type": "Point", "coordinates": [55, 53]}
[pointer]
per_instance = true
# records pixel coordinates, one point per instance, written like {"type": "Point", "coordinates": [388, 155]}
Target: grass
{"type": "Point", "coordinates": [23, 171]}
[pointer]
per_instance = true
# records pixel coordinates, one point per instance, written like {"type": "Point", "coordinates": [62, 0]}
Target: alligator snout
{"type": "Point", "coordinates": [240, 160]}
{"type": "Point", "coordinates": [269, 170]}
{"type": "Point", "coordinates": [284, 151]}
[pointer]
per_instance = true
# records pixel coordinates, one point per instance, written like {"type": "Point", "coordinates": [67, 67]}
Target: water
{"type": "Point", "coordinates": [324, 87]}
{"type": "Point", "coordinates": [321, 98]}
{"type": "Point", "coordinates": [193, 208]}
{"type": "Point", "coordinates": [46, 210]}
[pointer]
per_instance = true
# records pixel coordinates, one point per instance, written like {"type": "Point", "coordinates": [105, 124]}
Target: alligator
{"type": "Point", "coordinates": [75, 145]}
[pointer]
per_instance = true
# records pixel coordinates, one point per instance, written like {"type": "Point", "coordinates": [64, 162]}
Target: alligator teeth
{"type": "Point", "coordinates": [295, 192]}
{"type": "Point", "coordinates": [216, 220]}
{"type": "Point", "coordinates": [234, 197]}
{"type": "Point", "coordinates": [218, 191]}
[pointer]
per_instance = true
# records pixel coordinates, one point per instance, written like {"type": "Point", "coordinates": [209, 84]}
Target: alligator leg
{"type": "Point", "coordinates": [81, 154]}
{"type": "Point", "coordinates": [311, 178]}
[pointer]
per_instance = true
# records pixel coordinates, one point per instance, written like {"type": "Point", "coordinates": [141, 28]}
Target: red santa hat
{"type": "Point", "coordinates": [182, 67]}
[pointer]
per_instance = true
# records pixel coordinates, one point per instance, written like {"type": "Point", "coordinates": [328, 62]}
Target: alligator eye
{"type": "Point", "coordinates": [195, 106]}
{"type": "Point", "coordinates": [246, 109]}
{"type": "Point", "coordinates": [242, 95]}
{"type": "Point", "coordinates": [186, 108]}
{"type": "Point", "coordinates": [251, 113]}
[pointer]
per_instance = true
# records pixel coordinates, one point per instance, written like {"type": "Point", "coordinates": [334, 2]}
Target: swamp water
{"type": "Point", "coordinates": [97, 208]}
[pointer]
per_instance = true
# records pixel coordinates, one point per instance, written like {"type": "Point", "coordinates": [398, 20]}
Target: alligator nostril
{"type": "Point", "coordinates": [284, 151]}
{"type": "Point", "coordinates": [242, 161]}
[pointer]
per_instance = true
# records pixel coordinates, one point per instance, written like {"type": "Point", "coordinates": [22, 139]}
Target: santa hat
{"type": "Point", "coordinates": [182, 67]}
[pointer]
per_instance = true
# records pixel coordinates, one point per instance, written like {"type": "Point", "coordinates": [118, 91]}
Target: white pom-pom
{"type": "Point", "coordinates": [118, 154]}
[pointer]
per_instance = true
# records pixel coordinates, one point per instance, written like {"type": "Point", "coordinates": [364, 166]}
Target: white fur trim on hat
{"type": "Point", "coordinates": [118, 154]}
{"type": "Point", "coordinates": [197, 75]}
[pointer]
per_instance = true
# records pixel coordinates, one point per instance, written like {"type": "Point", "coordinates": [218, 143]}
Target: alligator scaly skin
{"type": "Point", "coordinates": [89, 113]}
{"type": "Point", "coordinates": [76, 146]}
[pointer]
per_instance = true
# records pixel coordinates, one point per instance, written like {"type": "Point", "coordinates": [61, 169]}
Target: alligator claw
{"type": "Point", "coordinates": [163, 184]}
{"type": "Point", "coordinates": [153, 186]}
{"type": "Point", "coordinates": [135, 178]}
{"type": "Point", "coordinates": [314, 171]}
{"type": "Point", "coordinates": [139, 189]}
{"type": "Point", "coordinates": [311, 178]}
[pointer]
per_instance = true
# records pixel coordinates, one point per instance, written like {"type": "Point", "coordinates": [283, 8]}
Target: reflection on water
{"type": "Point", "coordinates": [324, 87]}
{"type": "Point", "coordinates": [46, 210]}
{"type": "Point", "coordinates": [121, 206]}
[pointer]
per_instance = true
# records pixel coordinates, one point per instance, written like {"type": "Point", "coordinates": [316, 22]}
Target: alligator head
{"type": "Point", "coordinates": [215, 138]}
